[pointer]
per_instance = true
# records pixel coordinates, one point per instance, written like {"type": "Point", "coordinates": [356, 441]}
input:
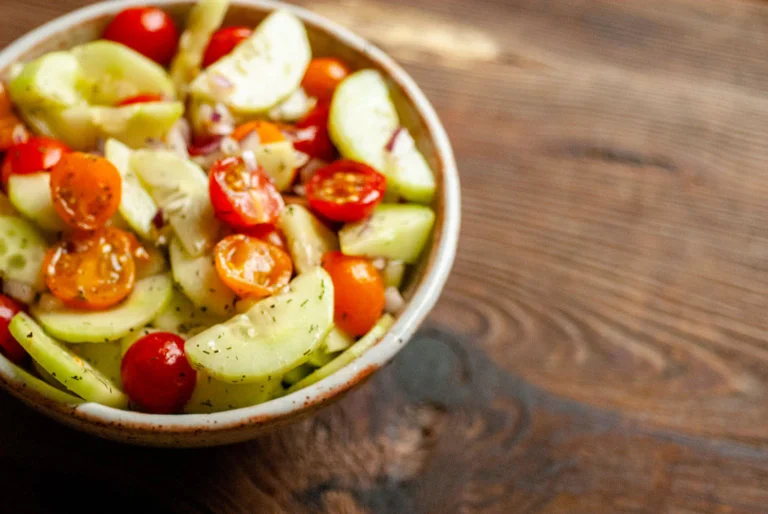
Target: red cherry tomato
{"type": "Point", "coordinates": [223, 41]}
{"type": "Point", "coordinates": [9, 347]}
{"type": "Point", "coordinates": [322, 76]}
{"type": "Point", "coordinates": [310, 134]}
{"type": "Point", "coordinates": [156, 374]}
{"type": "Point", "coordinates": [36, 154]}
{"type": "Point", "coordinates": [358, 292]}
{"type": "Point", "coordinates": [140, 99]}
{"type": "Point", "coordinates": [148, 30]}
{"type": "Point", "coordinates": [241, 196]}
{"type": "Point", "coordinates": [346, 190]}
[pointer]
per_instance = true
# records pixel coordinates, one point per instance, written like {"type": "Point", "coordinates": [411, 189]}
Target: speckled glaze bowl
{"type": "Point", "coordinates": [421, 293]}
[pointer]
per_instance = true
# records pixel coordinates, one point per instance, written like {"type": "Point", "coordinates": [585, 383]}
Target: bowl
{"type": "Point", "coordinates": [421, 291]}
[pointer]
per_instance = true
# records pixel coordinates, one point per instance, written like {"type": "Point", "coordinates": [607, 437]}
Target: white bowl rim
{"type": "Point", "coordinates": [417, 308]}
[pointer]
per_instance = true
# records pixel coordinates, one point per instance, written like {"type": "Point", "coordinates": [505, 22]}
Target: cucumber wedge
{"type": "Point", "coordinates": [22, 250]}
{"type": "Point", "coordinates": [308, 239]}
{"type": "Point", "coordinates": [408, 174]}
{"type": "Point", "coordinates": [293, 108]}
{"type": "Point", "coordinates": [154, 266]}
{"type": "Point", "coordinates": [136, 206]}
{"type": "Point", "coordinates": [349, 355]}
{"type": "Point", "coordinates": [148, 299]}
{"type": "Point", "coordinates": [73, 372]}
{"type": "Point", "coordinates": [297, 373]}
{"type": "Point", "coordinates": [135, 124]}
{"type": "Point", "coordinates": [53, 391]}
{"type": "Point", "coordinates": [262, 70]}
{"type": "Point", "coordinates": [393, 274]}
{"type": "Point", "coordinates": [181, 316]}
{"type": "Point", "coordinates": [31, 195]}
{"type": "Point", "coordinates": [279, 162]}
{"type": "Point", "coordinates": [198, 279]}
{"type": "Point", "coordinates": [105, 357]}
{"type": "Point", "coordinates": [319, 357]}
{"type": "Point", "coordinates": [46, 84]}
{"type": "Point", "coordinates": [275, 335]}
{"type": "Point", "coordinates": [211, 395]}
{"type": "Point", "coordinates": [397, 232]}
{"type": "Point", "coordinates": [180, 188]}
{"type": "Point", "coordinates": [337, 341]}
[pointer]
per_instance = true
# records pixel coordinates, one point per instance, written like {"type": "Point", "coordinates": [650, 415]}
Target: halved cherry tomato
{"type": "Point", "coordinates": [241, 196]}
{"type": "Point", "coordinates": [12, 130]}
{"type": "Point", "coordinates": [267, 233]}
{"type": "Point", "coordinates": [346, 190]}
{"type": "Point", "coordinates": [157, 375]}
{"type": "Point", "coordinates": [140, 99]}
{"type": "Point", "coordinates": [358, 292]}
{"type": "Point", "coordinates": [310, 134]}
{"type": "Point", "coordinates": [251, 267]}
{"type": "Point", "coordinates": [9, 347]}
{"type": "Point", "coordinates": [91, 270]}
{"type": "Point", "coordinates": [148, 30]}
{"type": "Point", "coordinates": [268, 132]}
{"type": "Point", "coordinates": [86, 190]}
{"type": "Point", "coordinates": [36, 154]}
{"type": "Point", "coordinates": [322, 76]}
{"type": "Point", "coordinates": [223, 41]}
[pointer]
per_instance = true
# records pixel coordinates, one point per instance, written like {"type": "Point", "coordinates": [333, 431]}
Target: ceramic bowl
{"type": "Point", "coordinates": [421, 293]}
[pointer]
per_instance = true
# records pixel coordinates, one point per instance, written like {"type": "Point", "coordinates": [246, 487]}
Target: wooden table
{"type": "Point", "coordinates": [602, 345]}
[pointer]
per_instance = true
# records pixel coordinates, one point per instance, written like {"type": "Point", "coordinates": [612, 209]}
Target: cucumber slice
{"type": "Point", "coordinates": [53, 391]}
{"type": "Point", "coordinates": [47, 377]}
{"type": "Point", "coordinates": [111, 72]}
{"type": "Point", "coordinates": [105, 357]}
{"type": "Point", "coordinates": [320, 357]}
{"type": "Point", "coordinates": [73, 372]}
{"type": "Point", "coordinates": [47, 84]}
{"type": "Point", "coordinates": [149, 297]}
{"type": "Point", "coordinates": [22, 250]}
{"type": "Point", "coordinates": [349, 355]}
{"type": "Point", "coordinates": [262, 70]}
{"type": "Point", "coordinates": [204, 18]}
{"type": "Point", "coordinates": [337, 340]}
{"type": "Point", "coordinates": [397, 232]}
{"type": "Point", "coordinates": [181, 316]}
{"type": "Point", "coordinates": [363, 118]}
{"type": "Point", "coordinates": [135, 124]}
{"type": "Point", "coordinates": [131, 338]}
{"type": "Point", "coordinates": [297, 373]}
{"type": "Point", "coordinates": [6, 207]}
{"type": "Point", "coordinates": [293, 108]}
{"type": "Point", "coordinates": [180, 188]}
{"type": "Point", "coordinates": [198, 279]}
{"type": "Point", "coordinates": [408, 174]}
{"type": "Point", "coordinates": [393, 274]}
{"type": "Point", "coordinates": [279, 162]}
{"type": "Point", "coordinates": [31, 195]}
{"type": "Point", "coordinates": [154, 266]}
{"type": "Point", "coordinates": [136, 206]}
{"type": "Point", "coordinates": [211, 395]}
{"type": "Point", "coordinates": [308, 239]}
{"type": "Point", "coordinates": [275, 335]}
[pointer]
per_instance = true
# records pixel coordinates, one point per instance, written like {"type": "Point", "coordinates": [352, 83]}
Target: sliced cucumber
{"type": "Point", "coordinates": [408, 174]}
{"type": "Point", "coordinates": [308, 239]}
{"type": "Point", "coordinates": [47, 84]}
{"type": "Point", "coordinates": [134, 336]}
{"type": "Point", "coordinates": [337, 340]}
{"type": "Point", "coordinates": [180, 188]}
{"type": "Point", "coordinates": [73, 372]}
{"type": "Point", "coordinates": [349, 355]}
{"type": "Point", "coordinates": [275, 335]}
{"type": "Point", "coordinates": [181, 316]}
{"type": "Point", "coordinates": [397, 232]}
{"type": "Point", "coordinates": [293, 108]}
{"type": "Point", "coordinates": [279, 162]}
{"type": "Point", "coordinates": [198, 279]}
{"type": "Point", "coordinates": [297, 373]}
{"type": "Point", "coordinates": [47, 377]}
{"type": "Point", "coordinates": [31, 195]}
{"type": "Point", "coordinates": [22, 250]}
{"type": "Point", "coordinates": [320, 357]}
{"type": "Point", "coordinates": [154, 266]}
{"type": "Point", "coordinates": [393, 274]}
{"type": "Point", "coordinates": [137, 123]}
{"type": "Point", "coordinates": [148, 299]}
{"type": "Point", "coordinates": [53, 391]}
{"type": "Point", "coordinates": [136, 206]}
{"type": "Point", "coordinates": [6, 207]}
{"type": "Point", "coordinates": [211, 395]}
{"type": "Point", "coordinates": [262, 70]}
{"type": "Point", "coordinates": [105, 357]}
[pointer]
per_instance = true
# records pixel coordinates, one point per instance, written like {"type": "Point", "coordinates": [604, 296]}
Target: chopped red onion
{"type": "Point", "coordinates": [158, 220]}
{"type": "Point", "coordinates": [252, 141]}
{"type": "Point", "coordinates": [221, 82]}
{"type": "Point", "coordinates": [393, 300]}
{"type": "Point", "coordinates": [379, 263]}
{"type": "Point", "coordinates": [310, 168]}
{"type": "Point", "coordinates": [19, 134]}
{"type": "Point", "coordinates": [249, 158]}
{"type": "Point", "coordinates": [230, 146]}
{"type": "Point", "coordinates": [300, 190]}
{"type": "Point", "coordinates": [204, 145]}
{"type": "Point", "coordinates": [390, 146]}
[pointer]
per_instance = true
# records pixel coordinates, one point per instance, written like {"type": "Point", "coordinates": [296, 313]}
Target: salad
{"type": "Point", "coordinates": [202, 221]}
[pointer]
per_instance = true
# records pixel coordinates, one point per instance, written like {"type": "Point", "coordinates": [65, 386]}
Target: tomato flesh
{"type": "Point", "coordinates": [91, 270]}
{"type": "Point", "coordinates": [322, 76]}
{"type": "Point", "coordinates": [252, 267]}
{"type": "Point", "coordinates": [223, 41]}
{"type": "Point", "coordinates": [358, 292]}
{"type": "Point", "coordinates": [241, 196]}
{"type": "Point", "coordinates": [9, 347]}
{"type": "Point", "coordinates": [148, 30]}
{"type": "Point", "coordinates": [345, 190]}
{"type": "Point", "coordinates": [310, 134]}
{"type": "Point", "coordinates": [156, 374]}
{"type": "Point", "coordinates": [140, 99]}
{"type": "Point", "coordinates": [86, 190]}
{"type": "Point", "coordinates": [34, 155]}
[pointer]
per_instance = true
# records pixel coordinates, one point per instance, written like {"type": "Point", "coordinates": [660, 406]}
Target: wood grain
{"type": "Point", "coordinates": [602, 345]}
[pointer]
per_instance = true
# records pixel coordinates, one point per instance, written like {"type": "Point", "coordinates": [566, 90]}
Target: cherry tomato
{"type": "Point", "coordinates": [322, 76]}
{"type": "Point", "coordinates": [9, 347]}
{"type": "Point", "coordinates": [91, 270]}
{"type": "Point", "coordinates": [241, 196]}
{"type": "Point", "coordinates": [251, 267]}
{"type": "Point", "coordinates": [310, 134]}
{"type": "Point", "coordinates": [157, 375]}
{"type": "Point", "coordinates": [268, 132]}
{"type": "Point", "coordinates": [86, 190]}
{"type": "Point", "coordinates": [358, 292]}
{"type": "Point", "coordinates": [36, 154]}
{"type": "Point", "coordinates": [267, 233]}
{"type": "Point", "coordinates": [346, 190]}
{"type": "Point", "coordinates": [140, 99]}
{"type": "Point", "coordinates": [223, 41]}
{"type": "Point", "coordinates": [148, 30]}
{"type": "Point", "coordinates": [12, 130]}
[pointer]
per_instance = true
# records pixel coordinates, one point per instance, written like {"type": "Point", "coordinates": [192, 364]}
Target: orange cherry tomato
{"type": "Point", "coordinates": [223, 41]}
{"type": "Point", "coordinates": [268, 132]}
{"type": "Point", "coordinates": [86, 190]}
{"type": "Point", "coordinates": [251, 267]}
{"type": "Point", "coordinates": [35, 154]}
{"type": "Point", "coordinates": [358, 292]}
{"type": "Point", "coordinates": [322, 76]}
{"type": "Point", "coordinates": [91, 270]}
{"type": "Point", "coordinates": [243, 197]}
{"type": "Point", "coordinates": [148, 30]}
{"type": "Point", "coordinates": [140, 99]}
{"type": "Point", "coordinates": [267, 233]}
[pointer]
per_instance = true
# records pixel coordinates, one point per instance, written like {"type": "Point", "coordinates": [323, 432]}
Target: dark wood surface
{"type": "Point", "coordinates": [602, 345]}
